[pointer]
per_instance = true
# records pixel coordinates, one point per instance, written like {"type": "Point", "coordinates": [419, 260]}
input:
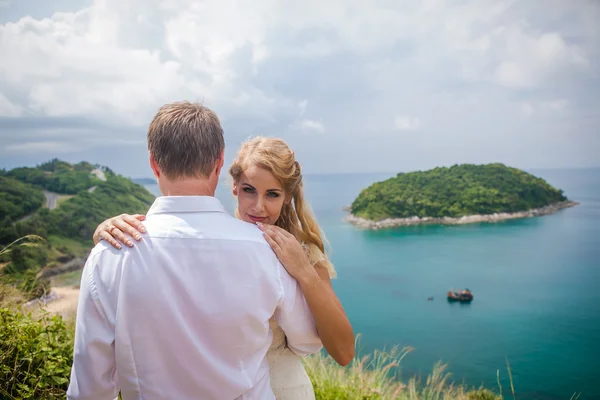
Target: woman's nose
{"type": "Point", "coordinates": [260, 205]}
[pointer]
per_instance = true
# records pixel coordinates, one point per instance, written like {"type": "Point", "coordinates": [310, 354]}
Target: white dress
{"type": "Point", "coordinates": [289, 379]}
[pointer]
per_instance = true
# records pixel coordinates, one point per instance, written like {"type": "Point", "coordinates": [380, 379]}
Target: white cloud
{"type": "Point", "coordinates": [527, 108]}
{"type": "Point", "coordinates": [407, 123]}
{"type": "Point", "coordinates": [49, 147]}
{"type": "Point", "coordinates": [8, 109]}
{"type": "Point", "coordinates": [312, 125]}
{"type": "Point", "coordinates": [531, 59]}
{"type": "Point", "coordinates": [546, 107]}
{"type": "Point", "coordinates": [308, 126]}
{"type": "Point", "coordinates": [99, 62]}
{"type": "Point", "coordinates": [556, 105]}
{"type": "Point", "coordinates": [302, 106]}
{"type": "Point", "coordinates": [281, 67]}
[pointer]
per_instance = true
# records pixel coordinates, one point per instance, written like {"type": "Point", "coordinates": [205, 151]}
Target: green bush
{"type": "Point", "coordinates": [483, 394]}
{"type": "Point", "coordinates": [35, 356]}
{"type": "Point", "coordinates": [57, 176]}
{"type": "Point", "coordinates": [455, 192]}
{"type": "Point", "coordinates": [18, 199]}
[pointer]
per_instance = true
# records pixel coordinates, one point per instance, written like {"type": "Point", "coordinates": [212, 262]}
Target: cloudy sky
{"type": "Point", "coordinates": [352, 85]}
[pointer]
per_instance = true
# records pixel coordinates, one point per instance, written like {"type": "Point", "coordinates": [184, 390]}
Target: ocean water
{"type": "Point", "coordinates": [536, 284]}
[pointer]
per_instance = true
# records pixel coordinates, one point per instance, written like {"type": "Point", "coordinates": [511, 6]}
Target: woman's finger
{"type": "Point", "coordinates": [97, 237]}
{"type": "Point", "coordinates": [140, 217]}
{"type": "Point", "coordinates": [268, 229]}
{"type": "Point", "coordinates": [124, 228]}
{"type": "Point", "coordinates": [274, 245]}
{"type": "Point", "coordinates": [117, 233]}
{"type": "Point", "coordinates": [283, 232]}
{"type": "Point", "coordinates": [105, 236]}
{"type": "Point", "coordinates": [131, 226]}
{"type": "Point", "coordinates": [278, 237]}
{"type": "Point", "coordinates": [284, 241]}
{"type": "Point", "coordinates": [273, 234]}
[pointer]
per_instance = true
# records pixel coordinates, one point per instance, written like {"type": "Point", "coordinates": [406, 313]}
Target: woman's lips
{"type": "Point", "coordinates": [256, 219]}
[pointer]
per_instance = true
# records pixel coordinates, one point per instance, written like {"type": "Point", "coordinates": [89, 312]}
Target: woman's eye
{"type": "Point", "coordinates": [273, 194]}
{"type": "Point", "coordinates": [248, 190]}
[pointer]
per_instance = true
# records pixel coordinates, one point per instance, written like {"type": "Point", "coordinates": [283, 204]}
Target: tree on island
{"type": "Point", "coordinates": [457, 191]}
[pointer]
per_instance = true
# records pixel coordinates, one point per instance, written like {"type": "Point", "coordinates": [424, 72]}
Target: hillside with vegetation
{"type": "Point", "coordinates": [18, 199]}
{"type": "Point", "coordinates": [89, 195]}
{"type": "Point", "coordinates": [58, 176]}
{"type": "Point", "coordinates": [455, 192]}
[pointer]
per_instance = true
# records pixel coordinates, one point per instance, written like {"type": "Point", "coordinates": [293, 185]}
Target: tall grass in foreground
{"type": "Point", "coordinates": [371, 377]}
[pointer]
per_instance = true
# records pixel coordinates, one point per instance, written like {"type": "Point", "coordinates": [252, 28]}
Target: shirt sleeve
{"type": "Point", "coordinates": [93, 374]}
{"type": "Point", "coordinates": [295, 318]}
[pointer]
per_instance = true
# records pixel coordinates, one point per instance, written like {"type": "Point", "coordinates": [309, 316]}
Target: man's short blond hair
{"type": "Point", "coordinates": [186, 140]}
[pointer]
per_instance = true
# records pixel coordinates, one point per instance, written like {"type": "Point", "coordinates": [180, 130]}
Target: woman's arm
{"type": "Point", "coordinates": [116, 227]}
{"type": "Point", "coordinates": [332, 323]}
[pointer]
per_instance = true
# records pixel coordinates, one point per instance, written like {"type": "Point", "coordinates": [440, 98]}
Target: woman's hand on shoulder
{"type": "Point", "coordinates": [289, 251]}
{"type": "Point", "coordinates": [116, 229]}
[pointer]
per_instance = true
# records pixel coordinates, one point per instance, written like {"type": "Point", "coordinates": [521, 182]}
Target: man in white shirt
{"type": "Point", "coordinates": [185, 313]}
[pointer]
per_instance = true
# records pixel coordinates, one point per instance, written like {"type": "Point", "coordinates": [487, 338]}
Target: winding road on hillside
{"type": "Point", "coordinates": [52, 198]}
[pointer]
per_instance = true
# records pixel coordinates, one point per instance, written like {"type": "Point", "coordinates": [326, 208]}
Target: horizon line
{"type": "Point", "coordinates": [394, 173]}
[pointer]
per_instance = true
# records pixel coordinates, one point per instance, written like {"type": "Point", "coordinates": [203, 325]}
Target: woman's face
{"type": "Point", "coordinates": [260, 196]}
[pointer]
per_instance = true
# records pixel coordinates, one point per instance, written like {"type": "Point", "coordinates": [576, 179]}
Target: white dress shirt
{"type": "Point", "coordinates": [184, 314]}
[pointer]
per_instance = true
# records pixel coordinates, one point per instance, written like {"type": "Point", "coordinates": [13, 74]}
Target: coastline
{"type": "Point", "coordinates": [468, 219]}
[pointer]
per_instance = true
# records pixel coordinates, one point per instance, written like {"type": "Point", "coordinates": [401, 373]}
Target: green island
{"type": "Point", "coordinates": [47, 218]}
{"type": "Point", "coordinates": [459, 194]}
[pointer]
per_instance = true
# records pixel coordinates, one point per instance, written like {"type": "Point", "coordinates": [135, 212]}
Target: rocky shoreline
{"type": "Point", "coordinates": [469, 219]}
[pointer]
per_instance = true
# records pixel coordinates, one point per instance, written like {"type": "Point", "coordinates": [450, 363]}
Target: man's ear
{"type": "Point", "coordinates": [154, 165]}
{"type": "Point", "coordinates": [220, 162]}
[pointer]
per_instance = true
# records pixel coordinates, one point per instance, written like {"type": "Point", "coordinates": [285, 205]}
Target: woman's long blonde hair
{"type": "Point", "coordinates": [296, 217]}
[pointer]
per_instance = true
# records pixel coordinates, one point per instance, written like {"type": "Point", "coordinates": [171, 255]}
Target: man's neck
{"type": "Point", "coordinates": [187, 188]}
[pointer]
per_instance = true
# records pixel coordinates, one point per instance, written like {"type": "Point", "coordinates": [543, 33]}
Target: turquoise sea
{"type": "Point", "coordinates": [536, 284]}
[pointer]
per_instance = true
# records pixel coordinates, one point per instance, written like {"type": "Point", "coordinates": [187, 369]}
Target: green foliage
{"type": "Point", "coordinates": [57, 176]}
{"type": "Point", "coordinates": [456, 191]}
{"type": "Point", "coordinates": [70, 226]}
{"type": "Point", "coordinates": [25, 255]}
{"type": "Point", "coordinates": [18, 199]}
{"type": "Point", "coordinates": [66, 248]}
{"type": "Point", "coordinates": [35, 356]}
{"type": "Point", "coordinates": [78, 217]}
{"type": "Point", "coordinates": [483, 394]}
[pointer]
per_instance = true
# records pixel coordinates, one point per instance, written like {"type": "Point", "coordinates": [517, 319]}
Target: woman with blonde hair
{"type": "Point", "coordinates": [267, 182]}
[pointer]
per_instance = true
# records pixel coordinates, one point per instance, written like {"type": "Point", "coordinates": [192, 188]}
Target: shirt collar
{"type": "Point", "coordinates": [182, 204]}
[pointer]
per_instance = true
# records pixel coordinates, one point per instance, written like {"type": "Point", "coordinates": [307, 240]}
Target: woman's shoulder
{"type": "Point", "coordinates": [315, 256]}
